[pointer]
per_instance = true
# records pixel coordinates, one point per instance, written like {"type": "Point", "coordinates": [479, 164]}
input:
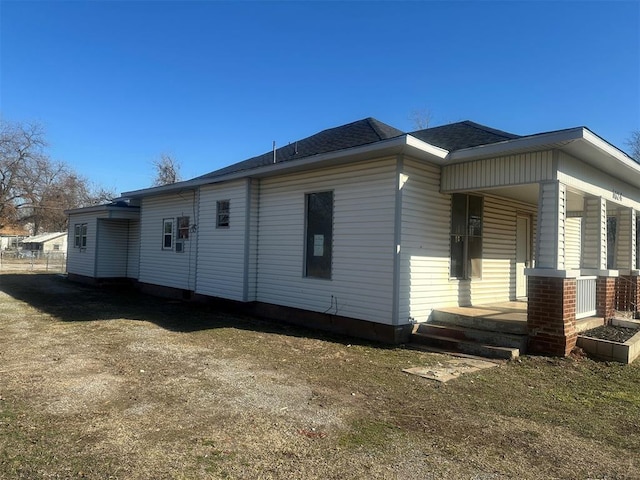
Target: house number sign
{"type": "Point", "coordinates": [616, 195]}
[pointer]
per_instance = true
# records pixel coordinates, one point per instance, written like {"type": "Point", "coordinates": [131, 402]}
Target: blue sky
{"type": "Point", "coordinates": [117, 83]}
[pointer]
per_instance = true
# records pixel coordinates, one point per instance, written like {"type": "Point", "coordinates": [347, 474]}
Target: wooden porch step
{"type": "Point", "coordinates": [465, 346]}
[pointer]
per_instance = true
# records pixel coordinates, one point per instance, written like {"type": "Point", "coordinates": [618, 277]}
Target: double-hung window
{"type": "Point", "coordinates": [319, 234]}
{"type": "Point", "coordinates": [466, 236]}
{"type": "Point", "coordinates": [80, 235]}
{"type": "Point", "coordinates": [167, 233]}
{"type": "Point", "coordinates": [223, 210]}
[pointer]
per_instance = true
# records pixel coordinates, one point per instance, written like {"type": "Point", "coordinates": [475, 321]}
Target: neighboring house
{"type": "Point", "coordinates": [46, 243]}
{"type": "Point", "coordinates": [367, 230]}
{"type": "Point", "coordinates": [11, 237]}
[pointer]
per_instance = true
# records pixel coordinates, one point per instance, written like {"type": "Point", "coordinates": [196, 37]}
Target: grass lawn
{"type": "Point", "coordinates": [115, 384]}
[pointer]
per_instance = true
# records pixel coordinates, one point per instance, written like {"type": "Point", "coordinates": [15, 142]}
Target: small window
{"type": "Point", "coordinates": [466, 236]}
{"type": "Point", "coordinates": [167, 234]}
{"type": "Point", "coordinates": [56, 246]}
{"type": "Point", "coordinates": [319, 235]}
{"type": "Point", "coordinates": [223, 210]}
{"type": "Point", "coordinates": [80, 235]}
{"type": "Point", "coordinates": [183, 228]}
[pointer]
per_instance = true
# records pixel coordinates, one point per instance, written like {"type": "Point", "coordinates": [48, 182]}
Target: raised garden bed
{"type": "Point", "coordinates": [618, 342]}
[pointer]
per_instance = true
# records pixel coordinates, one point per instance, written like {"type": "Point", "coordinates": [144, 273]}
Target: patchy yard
{"type": "Point", "coordinates": [113, 384]}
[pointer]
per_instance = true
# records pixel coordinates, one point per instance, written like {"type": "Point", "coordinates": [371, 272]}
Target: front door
{"type": "Point", "coordinates": [523, 253]}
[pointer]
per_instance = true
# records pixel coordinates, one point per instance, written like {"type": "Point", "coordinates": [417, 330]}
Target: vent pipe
{"type": "Point", "coordinates": [274, 151]}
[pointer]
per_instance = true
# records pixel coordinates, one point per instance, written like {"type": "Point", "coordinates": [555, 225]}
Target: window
{"type": "Point", "coordinates": [222, 210]}
{"type": "Point", "coordinates": [183, 228]}
{"type": "Point", "coordinates": [80, 235]}
{"type": "Point", "coordinates": [167, 234]}
{"type": "Point", "coordinates": [466, 236]}
{"type": "Point", "coordinates": [319, 234]}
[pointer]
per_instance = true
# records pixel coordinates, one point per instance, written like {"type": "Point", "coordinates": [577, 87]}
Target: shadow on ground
{"type": "Point", "coordinates": [68, 301]}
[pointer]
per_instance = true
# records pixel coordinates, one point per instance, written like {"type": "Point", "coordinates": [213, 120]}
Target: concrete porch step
{"type": "Point", "coordinates": [487, 337]}
{"type": "Point", "coordinates": [484, 319]}
{"type": "Point", "coordinates": [464, 346]}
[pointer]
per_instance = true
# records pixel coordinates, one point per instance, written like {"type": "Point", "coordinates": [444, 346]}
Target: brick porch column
{"type": "Point", "coordinates": [605, 297]}
{"type": "Point", "coordinates": [626, 296]}
{"type": "Point", "coordinates": [551, 315]}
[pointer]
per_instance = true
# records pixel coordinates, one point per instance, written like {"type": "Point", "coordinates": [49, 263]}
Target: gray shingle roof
{"type": "Point", "coordinates": [367, 131]}
{"type": "Point", "coordinates": [361, 132]}
{"type": "Point", "coordinates": [456, 136]}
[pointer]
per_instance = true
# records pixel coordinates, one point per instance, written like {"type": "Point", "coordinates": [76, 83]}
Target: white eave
{"type": "Point", "coordinates": [393, 146]}
{"type": "Point", "coordinates": [580, 142]}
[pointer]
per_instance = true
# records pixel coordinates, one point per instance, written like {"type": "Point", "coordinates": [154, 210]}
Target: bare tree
{"type": "Point", "coordinates": [167, 170]}
{"type": "Point", "coordinates": [21, 150]}
{"type": "Point", "coordinates": [420, 118]}
{"type": "Point", "coordinates": [34, 189]}
{"type": "Point", "coordinates": [634, 145]}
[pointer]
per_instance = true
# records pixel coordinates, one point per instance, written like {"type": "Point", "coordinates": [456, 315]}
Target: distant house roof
{"type": "Point", "coordinates": [456, 136]}
{"type": "Point", "coordinates": [45, 237]}
{"type": "Point", "coordinates": [361, 132]}
{"type": "Point", "coordinates": [13, 231]}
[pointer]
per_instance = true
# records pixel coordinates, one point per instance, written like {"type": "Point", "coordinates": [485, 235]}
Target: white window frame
{"type": "Point", "coordinates": [221, 214]}
{"type": "Point", "coordinates": [165, 234]}
{"type": "Point", "coordinates": [80, 235]}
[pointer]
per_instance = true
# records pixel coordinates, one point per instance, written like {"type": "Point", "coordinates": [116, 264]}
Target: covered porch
{"type": "Point", "coordinates": [580, 261]}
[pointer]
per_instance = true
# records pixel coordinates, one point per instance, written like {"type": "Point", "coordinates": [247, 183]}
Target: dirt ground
{"type": "Point", "coordinates": [114, 384]}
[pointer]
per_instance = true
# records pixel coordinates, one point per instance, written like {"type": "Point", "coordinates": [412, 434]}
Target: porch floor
{"type": "Point", "coordinates": [505, 316]}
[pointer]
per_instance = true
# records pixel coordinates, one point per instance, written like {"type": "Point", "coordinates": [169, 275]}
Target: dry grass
{"type": "Point", "coordinates": [113, 384]}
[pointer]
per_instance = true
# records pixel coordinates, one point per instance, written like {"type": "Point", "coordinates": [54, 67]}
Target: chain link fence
{"type": "Point", "coordinates": [28, 261]}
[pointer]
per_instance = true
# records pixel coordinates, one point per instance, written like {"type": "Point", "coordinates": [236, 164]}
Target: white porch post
{"type": "Point", "coordinates": [551, 305]}
{"type": "Point", "coordinates": [594, 248]}
{"type": "Point", "coordinates": [552, 216]}
{"type": "Point", "coordinates": [626, 250]}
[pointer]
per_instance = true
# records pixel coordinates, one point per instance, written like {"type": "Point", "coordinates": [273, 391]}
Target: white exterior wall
{"type": "Point", "coordinates": [363, 241]}
{"type": "Point", "coordinates": [221, 251]}
{"type": "Point", "coordinates": [424, 252]}
{"type": "Point", "coordinates": [251, 249]}
{"type": "Point", "coordinates": [133, 258]}
{"type": "Point", "coordinates": [498, 281]}
{"type": "Point", "coordinates": [112, 248]}
{"type": "Point", "coordinates": [50, 245]}
{"type": "Point", "coordinates": [573, 242]}
{"type": "Point", "coordinates": [167, 267]}
{"type": "Point", "coordinates": [82, 261]}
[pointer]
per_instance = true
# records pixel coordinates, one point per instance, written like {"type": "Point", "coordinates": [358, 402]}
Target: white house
{"type": "Point", "coordinates": [45, 243]}
{"type": "Point", "coordinates": [368, 230]}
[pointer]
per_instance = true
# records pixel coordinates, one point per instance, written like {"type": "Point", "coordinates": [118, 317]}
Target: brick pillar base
{"type": "Point", "coordinates": [626, 296]}
{"type": "Point", "coordinates": [605, 297]}
{"type": "Point", "coordinates": [551, 315]}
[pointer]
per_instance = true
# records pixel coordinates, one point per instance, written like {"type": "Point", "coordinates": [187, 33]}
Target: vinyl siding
{"type": "Point", "coordinates": [252, 247]}
{"type": "Point", "coordinates": [502, 171]}
{"type": "Point", "coordinates": [424, 253]}
{"type": "Point", "coordinates": [133, 259]}
{"type": "Point", "coordinates": [363, 241]}
{"type": "Point", "coordinates": [221, 251]}
{"type": "Point", "coordinates": [112, 243]}
{"type": "Point", "coordinates": [573, 242]}
{"type": "Point", "coordinates": [551, 208]}
{"type": "Point", "coordinates": [594, 251]}
{"type": "Point", "coordinates": [626, 240]}
{"type": "Point", "coordinates": [82, 261]}
{"type": "Point", "coordinates": [498, 281]}
{"type": "Point", "coordinates": [167, 267]}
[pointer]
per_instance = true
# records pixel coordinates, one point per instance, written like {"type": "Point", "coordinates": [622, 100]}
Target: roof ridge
{"type": "Point", "coordinates": [487, 129]}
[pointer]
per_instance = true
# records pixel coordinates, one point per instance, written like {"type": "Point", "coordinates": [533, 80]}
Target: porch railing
{"type": "Point", "coordinates": [585, 297]}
